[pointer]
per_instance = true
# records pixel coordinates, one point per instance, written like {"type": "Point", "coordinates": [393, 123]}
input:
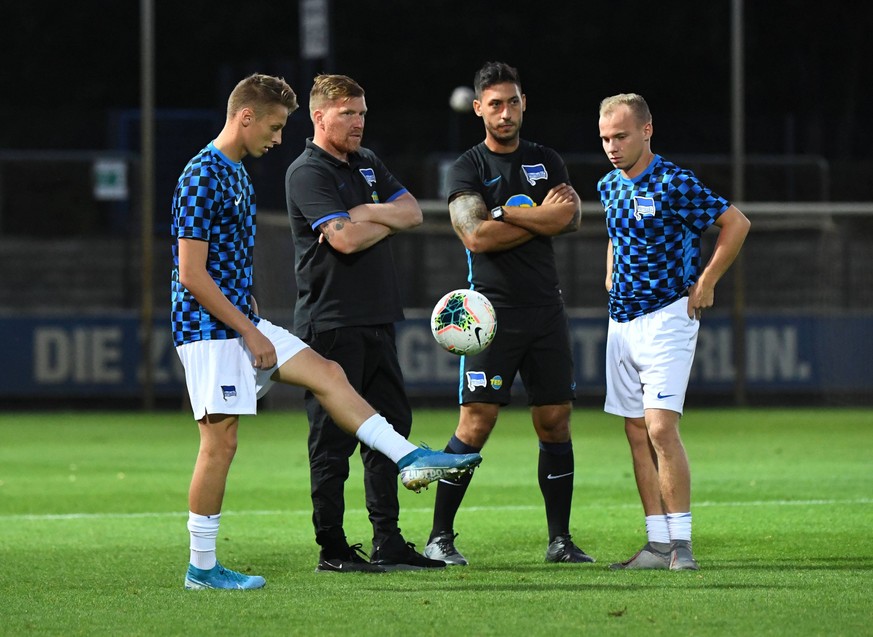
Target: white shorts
{"type": "Point", "coordinates": [648, 361]}
{"type": "Point", "coordinates": [221, 378]}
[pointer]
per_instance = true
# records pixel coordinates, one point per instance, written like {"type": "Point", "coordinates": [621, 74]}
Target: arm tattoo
{"type": "Point", "coordinates": [467, 211]}
{"type": "Point", "coordinates": [338, 225]}
{"type": "Point", "coordinates": [573, 226]}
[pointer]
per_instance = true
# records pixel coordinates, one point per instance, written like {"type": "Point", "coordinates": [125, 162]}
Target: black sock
{"type": "Point", "coordinates": [555, 474]}
{"type": "Point", "coordinates": [450, 495]}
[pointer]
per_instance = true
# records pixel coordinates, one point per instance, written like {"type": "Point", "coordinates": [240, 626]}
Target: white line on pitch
{"type": "Point", "coordinates": [307, 512]}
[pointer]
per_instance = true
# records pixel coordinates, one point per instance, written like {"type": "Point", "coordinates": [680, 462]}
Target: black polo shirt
{"type": "Point", "coordinates": [335, 289]}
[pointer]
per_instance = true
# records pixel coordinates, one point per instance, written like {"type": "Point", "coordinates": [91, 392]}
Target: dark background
{"type": "Point", "coordinates": [70, 77]}
{"type": "Point", "coordinates": [70, 94]}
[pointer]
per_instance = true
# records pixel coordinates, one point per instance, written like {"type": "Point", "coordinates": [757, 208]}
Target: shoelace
{"type": "Point", "coordinates": [410, 548]}
{"type": "Point", "coordinates": [232, 575]}
{"type": "Point", "coordinates": [446, 544]}
{"type": "Point", "coordinates": [356, 552]}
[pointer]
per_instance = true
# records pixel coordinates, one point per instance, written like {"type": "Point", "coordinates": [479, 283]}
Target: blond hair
{"type": "Point", "coordinates": [259, 92]}
{"type": "Point", "coordinates": [637, 105]}
{"type": "Point", "coordinates": [330, 88]}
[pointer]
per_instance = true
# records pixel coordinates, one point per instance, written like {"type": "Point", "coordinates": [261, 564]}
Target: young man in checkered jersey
{"type": "Point", "coordinates": [655, 214]}
{"type": "Point", "coordinates": [231, 355]}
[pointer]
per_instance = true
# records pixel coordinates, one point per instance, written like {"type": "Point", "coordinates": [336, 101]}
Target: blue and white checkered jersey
{"type": "Point", "coordinates": [214, 201]}
{"type": "Point", "coordinates": [654, 222]}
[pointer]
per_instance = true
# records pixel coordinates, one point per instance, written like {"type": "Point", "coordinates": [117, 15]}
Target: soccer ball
{"type": "Point", "coordinates": [461, 99]}
{"type": "Point", "coordinates": [463, 322]}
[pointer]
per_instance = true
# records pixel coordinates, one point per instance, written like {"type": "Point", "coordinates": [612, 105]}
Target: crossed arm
{"type": "Point", "coordinates": [559, 212]}
{"type": "Point", "coordinates": [369, 223]}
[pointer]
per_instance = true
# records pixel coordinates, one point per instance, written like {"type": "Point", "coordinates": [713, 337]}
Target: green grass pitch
{"type": "Point", "coordinates": [93, 538]}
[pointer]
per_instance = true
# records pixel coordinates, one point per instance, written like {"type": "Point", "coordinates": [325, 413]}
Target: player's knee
{"type": "Point", "coordinates": [554, 432]}
{"type": "Point", "coordinates": [219, 448]}
{"type": "Point", "coordinates": [218, 436]}
{"type": "Point", "coordinates": [665, 439]}
{"type": "Point", "coordinates": [552, 422]}
{"type": "Point", "coordinates": [329, 374]}
{"type": "Point", "coordinates": [229, 448]}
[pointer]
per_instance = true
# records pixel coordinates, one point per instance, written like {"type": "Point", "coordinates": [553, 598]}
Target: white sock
{"type": "Point", "coordinates": [378, 434]}
{"type": "Point", "coordinates": [680, 526]}
{"type": "Point", "coordinates": [204, 532]}
{"type": "Point", "coordinates": [656, 529]}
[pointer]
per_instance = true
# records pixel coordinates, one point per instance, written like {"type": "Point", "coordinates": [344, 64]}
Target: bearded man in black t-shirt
{"type": "Point", "coordinates": [508, 197]}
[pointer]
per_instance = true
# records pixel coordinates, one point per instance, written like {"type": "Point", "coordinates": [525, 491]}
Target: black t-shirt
{"type": "Point", "coordinates": [524, 276]}
{"type": "Point", "coordinates": [335, 289]}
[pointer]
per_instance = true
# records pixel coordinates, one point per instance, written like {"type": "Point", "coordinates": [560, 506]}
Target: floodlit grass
{"type": "Point", "coordinates": [93, 538]}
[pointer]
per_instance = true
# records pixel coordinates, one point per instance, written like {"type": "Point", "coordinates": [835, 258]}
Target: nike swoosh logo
{"type": "Point", "coordinates": [450, 483]}
{"type": "Point", "coordinates": [476, 331]}
{"type": "Point", "coordinates": [563, 475]}
{"type": "Point", "coordinates": [662, 396]}
{"type": "Point", "coordinates": [491, 182]}
{"type": "Point", "coordinates": [237, 200]}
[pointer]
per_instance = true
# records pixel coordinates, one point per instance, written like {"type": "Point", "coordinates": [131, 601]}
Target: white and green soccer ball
{"type": "Point", "coordinates": [463, 322]}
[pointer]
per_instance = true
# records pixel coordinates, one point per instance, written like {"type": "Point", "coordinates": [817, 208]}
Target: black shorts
{"type": "Point", "coordinates": [533, 342]}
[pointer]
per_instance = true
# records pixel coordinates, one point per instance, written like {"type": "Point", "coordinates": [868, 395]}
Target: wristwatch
{"type": "Point", "coordinates": [497, 213]}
